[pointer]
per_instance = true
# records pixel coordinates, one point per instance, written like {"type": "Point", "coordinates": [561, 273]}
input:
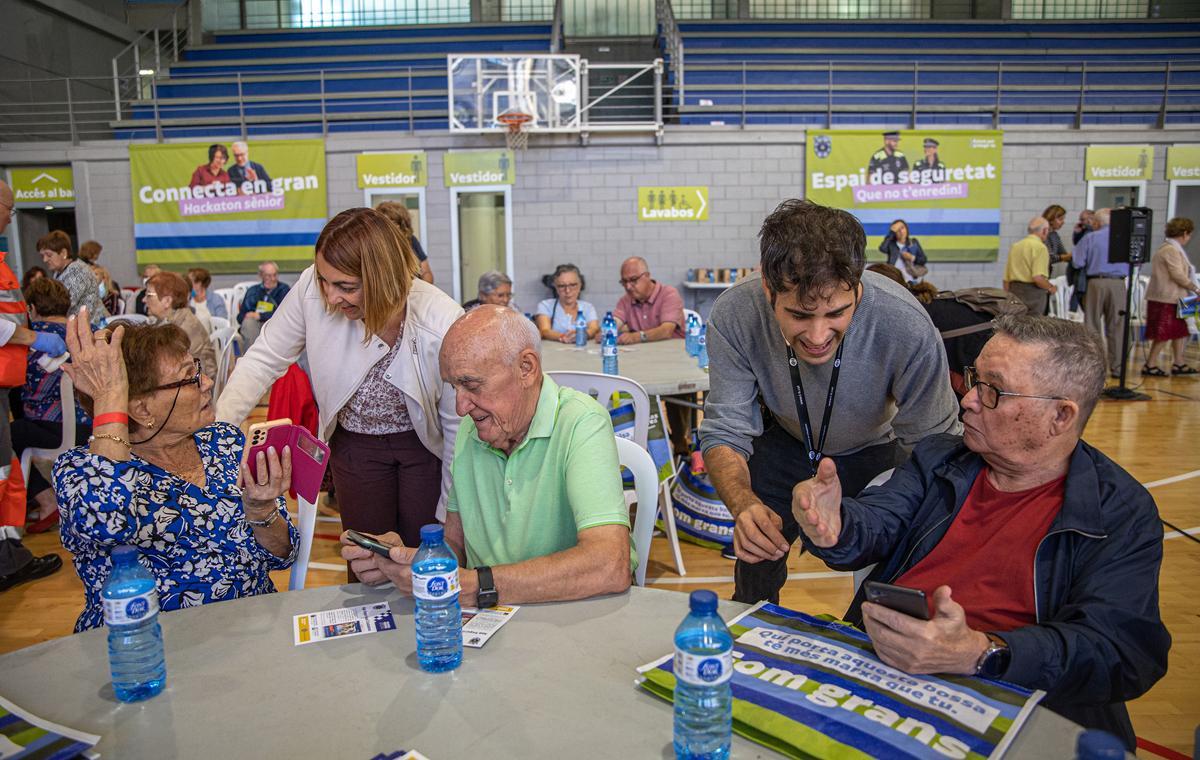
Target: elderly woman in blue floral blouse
{"type": "Point", "coordinates": [161, 475]}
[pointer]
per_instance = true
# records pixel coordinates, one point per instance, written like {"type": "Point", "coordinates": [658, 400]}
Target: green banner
{"type": "Point", "coordinates": [1183, 162]}
{"type": "Point", "coordinates": [479, 167]}
{"type": "Point", "coordinates": [43, 184]}
{"type": "Point", "coordinates": [267, 201]}
{"type": "Point", "coordinates": [672, 204]}
{"type": "Point", "coordinates": [945, 186]}
{"type": "Point", "coordinates": [391, 169]}
{"type": "Point", "coordinates": [1133, 162]}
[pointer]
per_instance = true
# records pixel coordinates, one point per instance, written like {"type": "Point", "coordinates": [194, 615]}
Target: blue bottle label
{"type": "Point", "coordinates": [433, 588]}
{"type": "Point", "coordinates": [132, 610]}
{"type": "Point", "coordinates": [703, 669]}
{"type": "Point", "coordinates": [609, 350]}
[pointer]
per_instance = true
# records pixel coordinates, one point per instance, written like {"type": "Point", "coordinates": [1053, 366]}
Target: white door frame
{"type": "Point", "coordinates": [455, 251]}
{"type": "Point", "coordinates": [417, 190]}
{"type": "Point", "coordinates": [1140, 184]}
{"type": "Point", "coordinates": [1173, 192]}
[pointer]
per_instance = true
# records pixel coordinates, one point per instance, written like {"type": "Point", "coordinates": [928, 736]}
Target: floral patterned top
{"type": "Point", "coordinates": [194, 540]}
{"type": "Point", "coordinates": [378, 407]}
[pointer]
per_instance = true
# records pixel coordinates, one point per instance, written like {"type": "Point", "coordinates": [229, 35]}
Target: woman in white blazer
{"type": "Point", "coordinates": [373, 332]}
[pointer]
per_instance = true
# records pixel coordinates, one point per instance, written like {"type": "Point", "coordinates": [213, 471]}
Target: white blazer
{"type": "Point", "coordinates": [339, 361]}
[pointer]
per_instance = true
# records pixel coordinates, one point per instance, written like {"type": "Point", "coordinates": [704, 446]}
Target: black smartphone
{"type": "Point", "coordinates": [909, 601]}
{"type": "Point", "coordinates": [373, 544]}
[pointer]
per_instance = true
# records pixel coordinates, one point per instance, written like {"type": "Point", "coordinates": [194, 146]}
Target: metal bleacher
{"type": "Point", "coordinates": [317, 80]}
{"type": "Point", "coordinates": [971, 73]}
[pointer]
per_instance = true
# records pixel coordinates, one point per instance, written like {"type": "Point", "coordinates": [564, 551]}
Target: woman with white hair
{"type": "Point", "coordinates": [494, 288]}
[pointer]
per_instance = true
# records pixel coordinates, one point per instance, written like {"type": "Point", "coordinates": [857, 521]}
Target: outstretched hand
{"type": "Point", "coordinates": [817, 505]}
{"type": "Point", "coordinates": [97, 365]}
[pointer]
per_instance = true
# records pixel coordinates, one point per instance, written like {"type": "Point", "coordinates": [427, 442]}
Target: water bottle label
{"type": "Point", "coordinates": [132, 610]}
{"type": "Point", "coordinates": [694, 331]}
{"type": "Point", "coordinates": [433, 588]}
{"type": "Point", "coordinates": [609, 351]}
{"type": "Point", "coordinates": [703, 669]}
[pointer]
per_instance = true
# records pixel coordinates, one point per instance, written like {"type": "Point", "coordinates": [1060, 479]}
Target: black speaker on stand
{"type": "Point", "coordinates": [1128, 242]}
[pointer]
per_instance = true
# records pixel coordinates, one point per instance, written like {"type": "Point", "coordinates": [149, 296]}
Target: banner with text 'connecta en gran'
{"type": "Point", "coordinates": [945, 185]}
{"type": "Point", "coordinates": [228, 206]}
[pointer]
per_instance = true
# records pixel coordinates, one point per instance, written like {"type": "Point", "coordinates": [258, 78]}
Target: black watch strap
{"type": "Point", "coordinates": [486, 596]}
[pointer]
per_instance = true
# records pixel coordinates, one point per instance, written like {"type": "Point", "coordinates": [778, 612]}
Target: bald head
{"type": "Point", "coordinates": [493, 334]}
{"type": "Point", "coordinates": [1038, 226]}
{"type": "Point", "coordinates": [635, 278]}
{"type": "Point", "coordinates": [6, 205]}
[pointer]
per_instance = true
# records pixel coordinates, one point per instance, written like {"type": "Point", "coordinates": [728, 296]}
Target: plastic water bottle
{"type": "Point", "coordinates": [439, 616]}
{"type": "Point", "coordinates": [702, 349]}
{"type": "Point", "coordinates": [1099, 745]}
{"type": "Point", "coordinates": [703, 666]}
{"type": "Point", "coordinates": [580, 330]}
{"type": "Point", "coordinates": [608, 354]}
{"type": "Point", "coordinates": [691, 335]}
{"type": "Point", "coordinates": [135, 643]}
{"type": "Point", "coordinates": [609, 325]}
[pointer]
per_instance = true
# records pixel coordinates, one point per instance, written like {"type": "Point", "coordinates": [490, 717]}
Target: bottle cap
{"type": "Point", "coordinates": [432, 534]}
{"type": "Point", "coordinates": [1099, 745]}
{"type": "Point", "coordinates": [703, 601]}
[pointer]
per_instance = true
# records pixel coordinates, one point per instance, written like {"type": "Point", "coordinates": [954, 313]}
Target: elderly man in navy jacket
{"type": "Point", "coordinates": [1040, 555]}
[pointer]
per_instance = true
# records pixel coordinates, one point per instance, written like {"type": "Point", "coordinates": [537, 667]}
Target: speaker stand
{"type": "Point", "coordinates": [1120, 392]}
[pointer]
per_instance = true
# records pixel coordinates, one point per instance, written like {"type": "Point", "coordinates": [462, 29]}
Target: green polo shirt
{"type": "Point", "coordinates": [562, 479]}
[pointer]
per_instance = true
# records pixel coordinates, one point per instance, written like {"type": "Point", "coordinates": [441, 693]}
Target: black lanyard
{"type": "Point", "coordinates": [814, 453]}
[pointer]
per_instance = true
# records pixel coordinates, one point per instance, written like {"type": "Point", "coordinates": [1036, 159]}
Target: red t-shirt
{"type": "Point", "coordinates": [986, 557]}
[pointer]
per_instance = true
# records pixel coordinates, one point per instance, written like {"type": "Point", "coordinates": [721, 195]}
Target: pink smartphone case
{"type": "Point", "coordinates": [310, 456]}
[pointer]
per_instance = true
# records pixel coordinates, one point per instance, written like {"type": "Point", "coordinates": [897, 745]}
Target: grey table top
{"type": "Point", "coordinates": [662, 367]}
{"type": "Point", "coordinates": [557, 681]}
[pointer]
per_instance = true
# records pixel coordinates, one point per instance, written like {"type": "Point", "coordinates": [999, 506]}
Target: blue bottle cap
{"type": "Point", "coordinates": [432, 534]}
{"type": "Point", "coordinates": [1099, 745]}
{"type": "Point", "coordinates": [703, 601]}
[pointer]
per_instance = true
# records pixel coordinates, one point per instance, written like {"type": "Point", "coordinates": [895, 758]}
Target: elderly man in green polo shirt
{"type": "Point", "coordinates": [536, 509]}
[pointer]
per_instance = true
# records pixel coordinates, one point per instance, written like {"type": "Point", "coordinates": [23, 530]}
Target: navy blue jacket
{"type": "Point", "coordinates": [258, 293]}
{"type": "Point", "coordinates": [1099, 640]}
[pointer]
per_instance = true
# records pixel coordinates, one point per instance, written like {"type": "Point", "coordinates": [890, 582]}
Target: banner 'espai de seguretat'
{"type": "Point", "coordinates": [227, 206]}
{"type": "Point", "coordinates": [945, 185]}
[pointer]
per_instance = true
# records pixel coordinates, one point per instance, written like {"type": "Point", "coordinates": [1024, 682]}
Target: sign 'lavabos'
{"type": "Point", "coordinates": [672, 204]}
{"type": "Point", "coordinates": [228, 206]}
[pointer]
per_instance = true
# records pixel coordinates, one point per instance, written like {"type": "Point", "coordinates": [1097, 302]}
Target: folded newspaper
{"type": "Point", "coordinates": [809, 688]}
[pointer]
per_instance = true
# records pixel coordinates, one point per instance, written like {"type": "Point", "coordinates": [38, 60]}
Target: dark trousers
{"type": "Point", "coordinates": [385, 483]}
{"type": "Point", "coordinates": [41, 434]}
{"type": "Point", "coordinates": [780, 462]}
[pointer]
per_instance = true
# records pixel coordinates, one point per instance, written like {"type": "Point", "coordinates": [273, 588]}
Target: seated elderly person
{"type": "Point", "coordinates": [494, 288]}
{"type": "Point", "coordinates": [159, 474]}
{"type": "Point", "coordinates": [167, 301]}
{"type": "Point", "coordinates": [1040, 555]}
{"type": "Point", "coordinates": [536, 512]}
{"type": "Point", "coordinates": [649, 310]}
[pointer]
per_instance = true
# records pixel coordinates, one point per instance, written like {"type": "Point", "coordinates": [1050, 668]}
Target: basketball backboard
{"type": "Point", "coordinates": [483, 88]}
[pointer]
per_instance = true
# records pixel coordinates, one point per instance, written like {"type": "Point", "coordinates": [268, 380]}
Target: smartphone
{"type": "Point", "coordinates": [310, 456]}
{"type": "Point", "coordinates": [910, 601]}
{"type": "Point", "coordinates": [367, 542]}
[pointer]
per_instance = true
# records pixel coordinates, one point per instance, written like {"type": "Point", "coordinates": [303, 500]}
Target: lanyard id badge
{"type": "Point", "coordinates": [814, 452]}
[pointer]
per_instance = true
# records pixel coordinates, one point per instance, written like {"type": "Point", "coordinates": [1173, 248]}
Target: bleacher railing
{"type": "Point", "coordinates": [668, 31]}
{"type": "Point", "coordinates": [149, 56]}
{"type": "Point", "coordinates": [230, 15]}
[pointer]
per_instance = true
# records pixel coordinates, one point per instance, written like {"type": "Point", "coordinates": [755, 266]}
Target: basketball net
{"type": "Point", "coordinates": [516, 137]}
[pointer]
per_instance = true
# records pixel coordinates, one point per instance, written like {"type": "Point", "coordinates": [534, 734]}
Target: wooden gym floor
{"type": "Point", "coordinates": [1154, 440]}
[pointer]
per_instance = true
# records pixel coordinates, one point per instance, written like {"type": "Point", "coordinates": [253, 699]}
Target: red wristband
{"type": "Point", "coordinates": [110, 418]}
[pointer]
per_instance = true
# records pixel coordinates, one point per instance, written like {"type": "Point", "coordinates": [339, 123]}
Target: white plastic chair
{"type": "Point", "coordinates": [861, 574]}
{"type": "Point", "coordinates": [223, 342]}
{"type": "Point", "coordinates": [231, 303]}
{"type": "Point", "coordinates": [218, 323]}
{"type": "Point", "coordinates": [1060, 301]}
{"type": "Point", "coordinates": [306, 524]}
{"type": "Point", "coordinates": [601, 387]}
{"type": "Point", "coordinates": [239, 292]}
{"type": "Point", "coordinates": [66, 392]}
{"type": "Point", "coordinates": [645, 481]}
{"type": "Point", "coordinates": [129, 297]}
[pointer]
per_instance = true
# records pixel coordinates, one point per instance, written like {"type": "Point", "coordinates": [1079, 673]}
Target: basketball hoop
{"type": "Point", "coordinates": [517, 138]}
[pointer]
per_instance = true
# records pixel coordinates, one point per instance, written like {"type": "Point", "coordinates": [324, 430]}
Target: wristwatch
{"type": "Point", "coordinates": [487, 595]}
{"type": "Point", "coordinates": [995, 659]}
{"type": "Point", "coordinates": [643, 334]}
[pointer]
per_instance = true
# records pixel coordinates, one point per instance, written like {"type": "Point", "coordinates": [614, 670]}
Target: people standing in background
{"type": "Point", "coordinates": [260, 302]}
{"type": "Point", "coordinates": [1172, 277]}
{"type": "Point", "coordinates": [1059, 255]}
{"type": "Point", "coordinates": [1105, 288]}
{"type": "Point", "coordinates": [110, 291]}
{"type": "Point", "coordinates": [904, 251]}
{"type": "Point", "coordinates": [214, 170]}
{"type": "Point", "coordinates": [400, 216]}
{"type": "Point", "coordinates": [139, 300]}
{"type": "Point", "coordinates": [1085, 224]}
{"type": "Point", "coordinates": [1076, 277]}
{"type": "Point", "coordinates": [555, 317]}
{"type": "Point", "coordinates": [205, 303]}
{"type": "Point", "coordinates": [81, 283]}
{"type": "Point", "coordinates": [1027, 273]}
{"type": "Point", "coordinates": [495, 288]}
{"type": "Point", "coordinates": [244, 170]}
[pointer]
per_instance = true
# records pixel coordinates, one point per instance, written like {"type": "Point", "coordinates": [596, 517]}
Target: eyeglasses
{"type": "Point", "coordinates": [183, 383]}
{"type": "Point", "coordinates": [989, 395]}
{"type": "Point", "coordinates": [567, 286]}
{"type": "Point", "coordinates": [627, 281]}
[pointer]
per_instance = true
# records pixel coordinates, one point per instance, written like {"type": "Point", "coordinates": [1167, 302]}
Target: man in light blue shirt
{"type": "Point", "coordinates": [1105, 288]}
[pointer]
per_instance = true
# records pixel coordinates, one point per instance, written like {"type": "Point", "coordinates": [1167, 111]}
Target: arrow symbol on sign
{"type": "Point", "coordinates": [43, 176]}
{"type": "Point", "coordinates": [703, 205]}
